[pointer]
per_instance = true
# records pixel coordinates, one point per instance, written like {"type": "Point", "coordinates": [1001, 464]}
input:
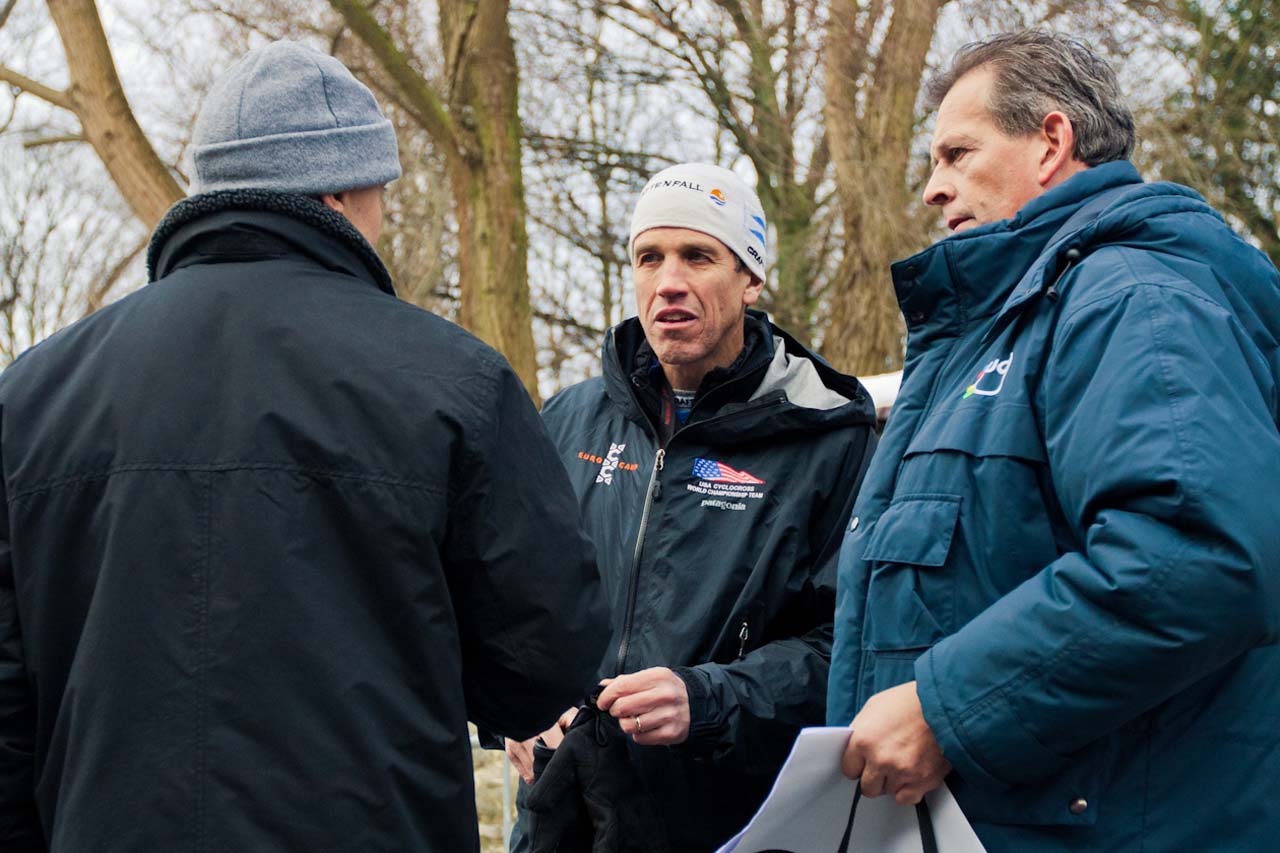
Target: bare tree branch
{"type": "Point", "coordinates": [4, 13]}
{"type": "Point", "coordinates": [591, 332]}
{"type": "Point", "coordinates": [45, 93]}
{"type": "Point", "coordinates": [54, 140]}
{"type": "Point", "coordinates": [213, 8]}
{"type": "Point", "coordinates": [97, 97]}
{"type": "Point", "coordinates": [420, 99]}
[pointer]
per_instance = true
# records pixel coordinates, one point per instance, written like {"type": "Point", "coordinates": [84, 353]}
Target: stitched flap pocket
{"type": "Point", "coordinates": [1003, 430]}
{"type": "Point", "coordinates": [915, 529]}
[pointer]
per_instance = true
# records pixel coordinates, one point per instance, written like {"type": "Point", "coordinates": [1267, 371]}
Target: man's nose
{"type": "Point", "coordinates": [939, 190]}
{"type": "Point", "coordinates": [672, 278]}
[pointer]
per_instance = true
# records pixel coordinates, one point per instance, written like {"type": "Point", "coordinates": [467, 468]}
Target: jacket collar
{"type": "Point", "coordinates": [634, 378]}
{"type": "Point", "coordinates": [241, 224]}
{"type": "Point", "coordinates": [972, 275]}
{"type": "Point", "coordinates": [738, 386]}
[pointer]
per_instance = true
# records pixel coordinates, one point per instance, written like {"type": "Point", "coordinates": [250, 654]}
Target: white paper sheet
{"type": "Point", "coordinates": [808, 810]}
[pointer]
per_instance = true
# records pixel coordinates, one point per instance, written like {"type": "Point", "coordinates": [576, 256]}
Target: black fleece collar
{"type": "Point", "coordinates": [651, 390]}
{"type": "Point", "coordinates": [164, 251]}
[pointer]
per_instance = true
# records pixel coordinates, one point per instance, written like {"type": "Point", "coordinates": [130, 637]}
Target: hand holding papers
{"type": "Point", "coordinates": [812, 809]}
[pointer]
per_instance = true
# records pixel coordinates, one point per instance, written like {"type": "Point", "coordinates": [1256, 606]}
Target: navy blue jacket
{"type": "Point", "coordinates": [270, 536]}
{"type": "Point", "coordinates": [1070, 538]}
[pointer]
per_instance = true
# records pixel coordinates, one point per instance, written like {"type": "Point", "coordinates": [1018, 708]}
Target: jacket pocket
{"type": "Point", "coordinates": [1011, 524]}
{"type": "Point", "coordinates": [909, 596]}
{"type": "Point", "coordinates": [1072, 797]}
{"type": "Point", "coordinates": [915, 529]}
{"type": "Point", "coordinates": [1007, 430]}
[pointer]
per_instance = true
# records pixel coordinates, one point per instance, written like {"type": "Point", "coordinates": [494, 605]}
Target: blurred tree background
{"type": "Point", "coordinates": [528, 126]}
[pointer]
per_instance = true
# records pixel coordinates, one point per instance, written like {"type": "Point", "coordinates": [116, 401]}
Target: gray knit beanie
{"type": "Point", "coordinates": [705, 198]}
{"type": "Point", "coordinates": [289, 118]}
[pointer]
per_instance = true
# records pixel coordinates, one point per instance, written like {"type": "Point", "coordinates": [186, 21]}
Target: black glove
{"type": "Point", "coordinates": [562, 825]}
{"type": "Point", "coordinates": [591, 772]}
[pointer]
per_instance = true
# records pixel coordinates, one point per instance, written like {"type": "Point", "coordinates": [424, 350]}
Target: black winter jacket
{"type": "Point", "coordinates": [270, 537]}
{"type": "Point", "coordinates": [718, 553]}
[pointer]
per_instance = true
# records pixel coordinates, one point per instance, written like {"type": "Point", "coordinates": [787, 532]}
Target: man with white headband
{"type": "Point", "coordinates": [716, 462]}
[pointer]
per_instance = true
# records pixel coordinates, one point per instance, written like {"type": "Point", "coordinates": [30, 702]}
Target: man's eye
{"type": "Point", "coordinates": [954, 154]}
{"type": "Point", "coordinates": [647, 258]}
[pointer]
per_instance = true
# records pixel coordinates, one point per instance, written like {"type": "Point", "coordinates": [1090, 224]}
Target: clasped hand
{"type": "Point", "coordinates": [651, 706]}
{"type": "Point", "coordinates": [892, 750]}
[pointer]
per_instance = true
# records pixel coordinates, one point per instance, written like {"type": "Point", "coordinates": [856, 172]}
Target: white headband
{"type": "Point", "coordinates": [704, 198]}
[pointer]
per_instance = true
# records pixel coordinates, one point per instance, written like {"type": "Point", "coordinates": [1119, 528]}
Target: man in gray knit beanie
{"type": "Point", "coordinates": [274, 534]}
{"type": "Point", "coordinates": [290, 119]}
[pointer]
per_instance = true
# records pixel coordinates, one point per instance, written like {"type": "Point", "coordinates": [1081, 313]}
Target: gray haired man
{"type": "Point", "coordinates": [1061, 588]}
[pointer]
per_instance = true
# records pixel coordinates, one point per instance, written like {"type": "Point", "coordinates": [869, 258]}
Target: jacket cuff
{"type": "Point", "coordinates": [490, 740]}
{"type": "Point", "coordinates": [986, 741]}
{"type": "Point", "coordinates": [705, 725]}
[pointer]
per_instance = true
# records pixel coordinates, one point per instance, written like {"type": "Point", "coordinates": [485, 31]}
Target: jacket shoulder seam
{"type": "Point", "coordinates": [1174, 283]}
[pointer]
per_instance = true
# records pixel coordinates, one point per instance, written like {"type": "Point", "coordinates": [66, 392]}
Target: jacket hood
{"type": "Point", "coordinates": [1149, 216]}
{"type": "Point", "coordinates": [196, 229]}
{"type": "Point", "coordinates": [797, 377]}
{"type": "Point", "coordinates": [998, 266]}
{"type": "Point", "coordinates": [787, 385]}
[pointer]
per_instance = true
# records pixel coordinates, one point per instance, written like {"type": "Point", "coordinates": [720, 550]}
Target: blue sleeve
{"type": "Point", "coordinates": [1165, 457]}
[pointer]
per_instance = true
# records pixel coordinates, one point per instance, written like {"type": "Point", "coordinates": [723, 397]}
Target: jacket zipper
{"type": "Point", "coordinates": [742, 641]}
{"type": "Point", "coordinates": [651, 494]}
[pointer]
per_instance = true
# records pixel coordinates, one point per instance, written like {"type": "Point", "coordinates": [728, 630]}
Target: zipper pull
{"type": "Point", "coordinates": [742, 641]}
{"type": "Point", "coordinates": [657, 469]}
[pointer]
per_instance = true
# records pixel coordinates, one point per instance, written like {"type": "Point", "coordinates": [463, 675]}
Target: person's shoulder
{"type": "Point", "coordinates": [576, 400]}
{"type": "Point", "coordinates": [1161, 235]}
{"type": "Point", "coordinates": [588, 389]}
{"type": "Point", "coordinates": [832, 400]}
{"type": "Point", "coordinates": [1161, 216]}
{"type": "Point", "coordinates": [427, 336]}
{"type": "Point", "coordinates": [62, 350]}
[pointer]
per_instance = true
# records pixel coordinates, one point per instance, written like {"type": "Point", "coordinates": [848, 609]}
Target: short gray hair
{"type": "Point", "coordinates": [1037, 72]}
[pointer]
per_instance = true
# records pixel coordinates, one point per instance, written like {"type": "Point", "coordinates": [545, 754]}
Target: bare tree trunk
{"type": "Point", "coordinates": [480, 64]}
{"type": "Point", "coordinates": [871, 152]}
{"type": "Point", "coordinates": [600, 173]}
{"type": "Point", "coordinates": [770, 143]}
{"type": "Point", "coordinates": [477, 127]}
{"type": "Point", "coordinates": [97, 99]}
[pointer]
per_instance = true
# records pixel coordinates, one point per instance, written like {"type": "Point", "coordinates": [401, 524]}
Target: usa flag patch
{"type": "Point", "coordinates": [718, 472]}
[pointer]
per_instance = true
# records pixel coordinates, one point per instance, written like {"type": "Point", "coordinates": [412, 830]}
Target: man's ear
{"type": "Point", "coordinates": [752, 293]}
{"type": "Point", "coordinates": [333, 201]}
{"type": "Point", "coordinates": [1058, 161]}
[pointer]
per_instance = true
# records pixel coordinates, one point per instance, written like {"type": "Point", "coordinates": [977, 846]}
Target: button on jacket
{"type": "Point", "coordinates": [717, 553]}
{"type": "Point", "coordinates": [1069, 539]}
{"type": "Point", "coordinates": [271, 536]}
